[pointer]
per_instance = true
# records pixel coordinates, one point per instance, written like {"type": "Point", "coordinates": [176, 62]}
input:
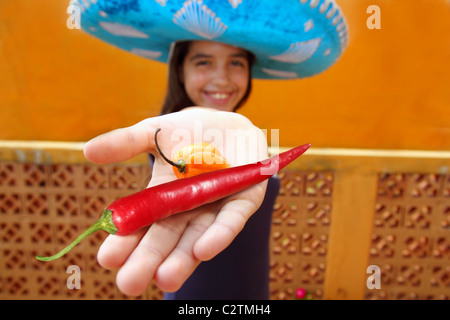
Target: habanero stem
{"type": "Point", "coordinates": [180, 164]}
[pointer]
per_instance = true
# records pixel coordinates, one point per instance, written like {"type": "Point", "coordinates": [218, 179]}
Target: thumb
{"type": "Point", "coordinates": [122, 144]}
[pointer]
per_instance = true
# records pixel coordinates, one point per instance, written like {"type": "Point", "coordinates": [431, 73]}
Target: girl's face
{"type": "Point", "coordinates": [215, 75]}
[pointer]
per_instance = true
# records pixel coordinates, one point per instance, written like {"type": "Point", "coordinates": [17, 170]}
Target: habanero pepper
{"type": "Point", "coordinates": [131, 213]}
{"type": "Point", "coordinates": [195, 159]}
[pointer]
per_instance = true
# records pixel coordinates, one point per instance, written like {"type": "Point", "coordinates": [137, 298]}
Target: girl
{"type": "Point", "coordinates": [215, 76]}
{"type": "Point", "coordinates": [217, 251]}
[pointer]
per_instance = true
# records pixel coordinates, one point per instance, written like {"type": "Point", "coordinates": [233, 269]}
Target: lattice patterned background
{"type": "Point", "coordinates": [45, 206]}
{"type": "Point", "coordinates": [42, 209]}
{"type": "Point", "coordinates": [410, 239]}
{"type": "Point", "coordinates": [300, 229]}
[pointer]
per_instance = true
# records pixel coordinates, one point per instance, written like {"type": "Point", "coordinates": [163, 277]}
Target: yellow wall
{"type": "Point", "coordinates": [391, 89]}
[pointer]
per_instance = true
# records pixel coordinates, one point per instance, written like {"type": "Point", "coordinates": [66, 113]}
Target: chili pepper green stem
{"type": "Point", "coordinates": [104, 223]}
{"type": "Point", "coordinates": [180, 164]}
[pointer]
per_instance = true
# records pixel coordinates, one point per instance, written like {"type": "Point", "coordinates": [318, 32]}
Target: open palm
{"type": "Point", "coordinates": [170, 249]}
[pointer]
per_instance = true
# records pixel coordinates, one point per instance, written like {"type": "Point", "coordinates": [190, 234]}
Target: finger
{"type": "Point", "coordinates": [139, 269]}
{"type": "Point", "coordinates": [122, 144]}
{"type": "Point", "coordinates": [181, 262]}
{"type": "Point", "coordinates": [229, 222]}
{"type": "Point", "coordinates": [115, 250]}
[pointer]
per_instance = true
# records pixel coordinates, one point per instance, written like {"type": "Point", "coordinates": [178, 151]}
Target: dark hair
{"type": "Point", "coordinates": [176, 97]}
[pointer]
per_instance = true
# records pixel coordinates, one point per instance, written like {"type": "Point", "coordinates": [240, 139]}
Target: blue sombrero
{"type": "Point", "coordinates": [290, 38]}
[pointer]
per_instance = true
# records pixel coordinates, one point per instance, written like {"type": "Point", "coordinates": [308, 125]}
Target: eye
{"type": "Point", "coordinates": [202, 63]}
{"type": "Point", "coordinates": [239, 63]}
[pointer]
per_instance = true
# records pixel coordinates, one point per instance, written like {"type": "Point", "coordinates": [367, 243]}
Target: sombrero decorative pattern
{"type": "Point", "coordinates": [290, 38]}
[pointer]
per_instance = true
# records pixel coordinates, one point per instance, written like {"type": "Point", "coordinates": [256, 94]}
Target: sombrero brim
{"type": "Point", "coordinates": [290, 38]}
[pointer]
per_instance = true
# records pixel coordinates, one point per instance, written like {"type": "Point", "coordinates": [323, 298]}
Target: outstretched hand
{"type": "Point", "coordinates": [170, 249]}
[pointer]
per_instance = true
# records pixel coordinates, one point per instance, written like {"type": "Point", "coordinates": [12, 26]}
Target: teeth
{"type": "Point", "coordinates": [219, 95]}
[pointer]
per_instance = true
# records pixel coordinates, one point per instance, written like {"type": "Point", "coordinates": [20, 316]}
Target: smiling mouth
{"type": "Point", "coordinates": [220, 96]}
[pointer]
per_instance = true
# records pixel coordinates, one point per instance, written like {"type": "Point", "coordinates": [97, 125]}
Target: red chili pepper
{"type": "Point", "coordinates": [195, 159]}
{"type": "Point", "coordinates": [131, 213]}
